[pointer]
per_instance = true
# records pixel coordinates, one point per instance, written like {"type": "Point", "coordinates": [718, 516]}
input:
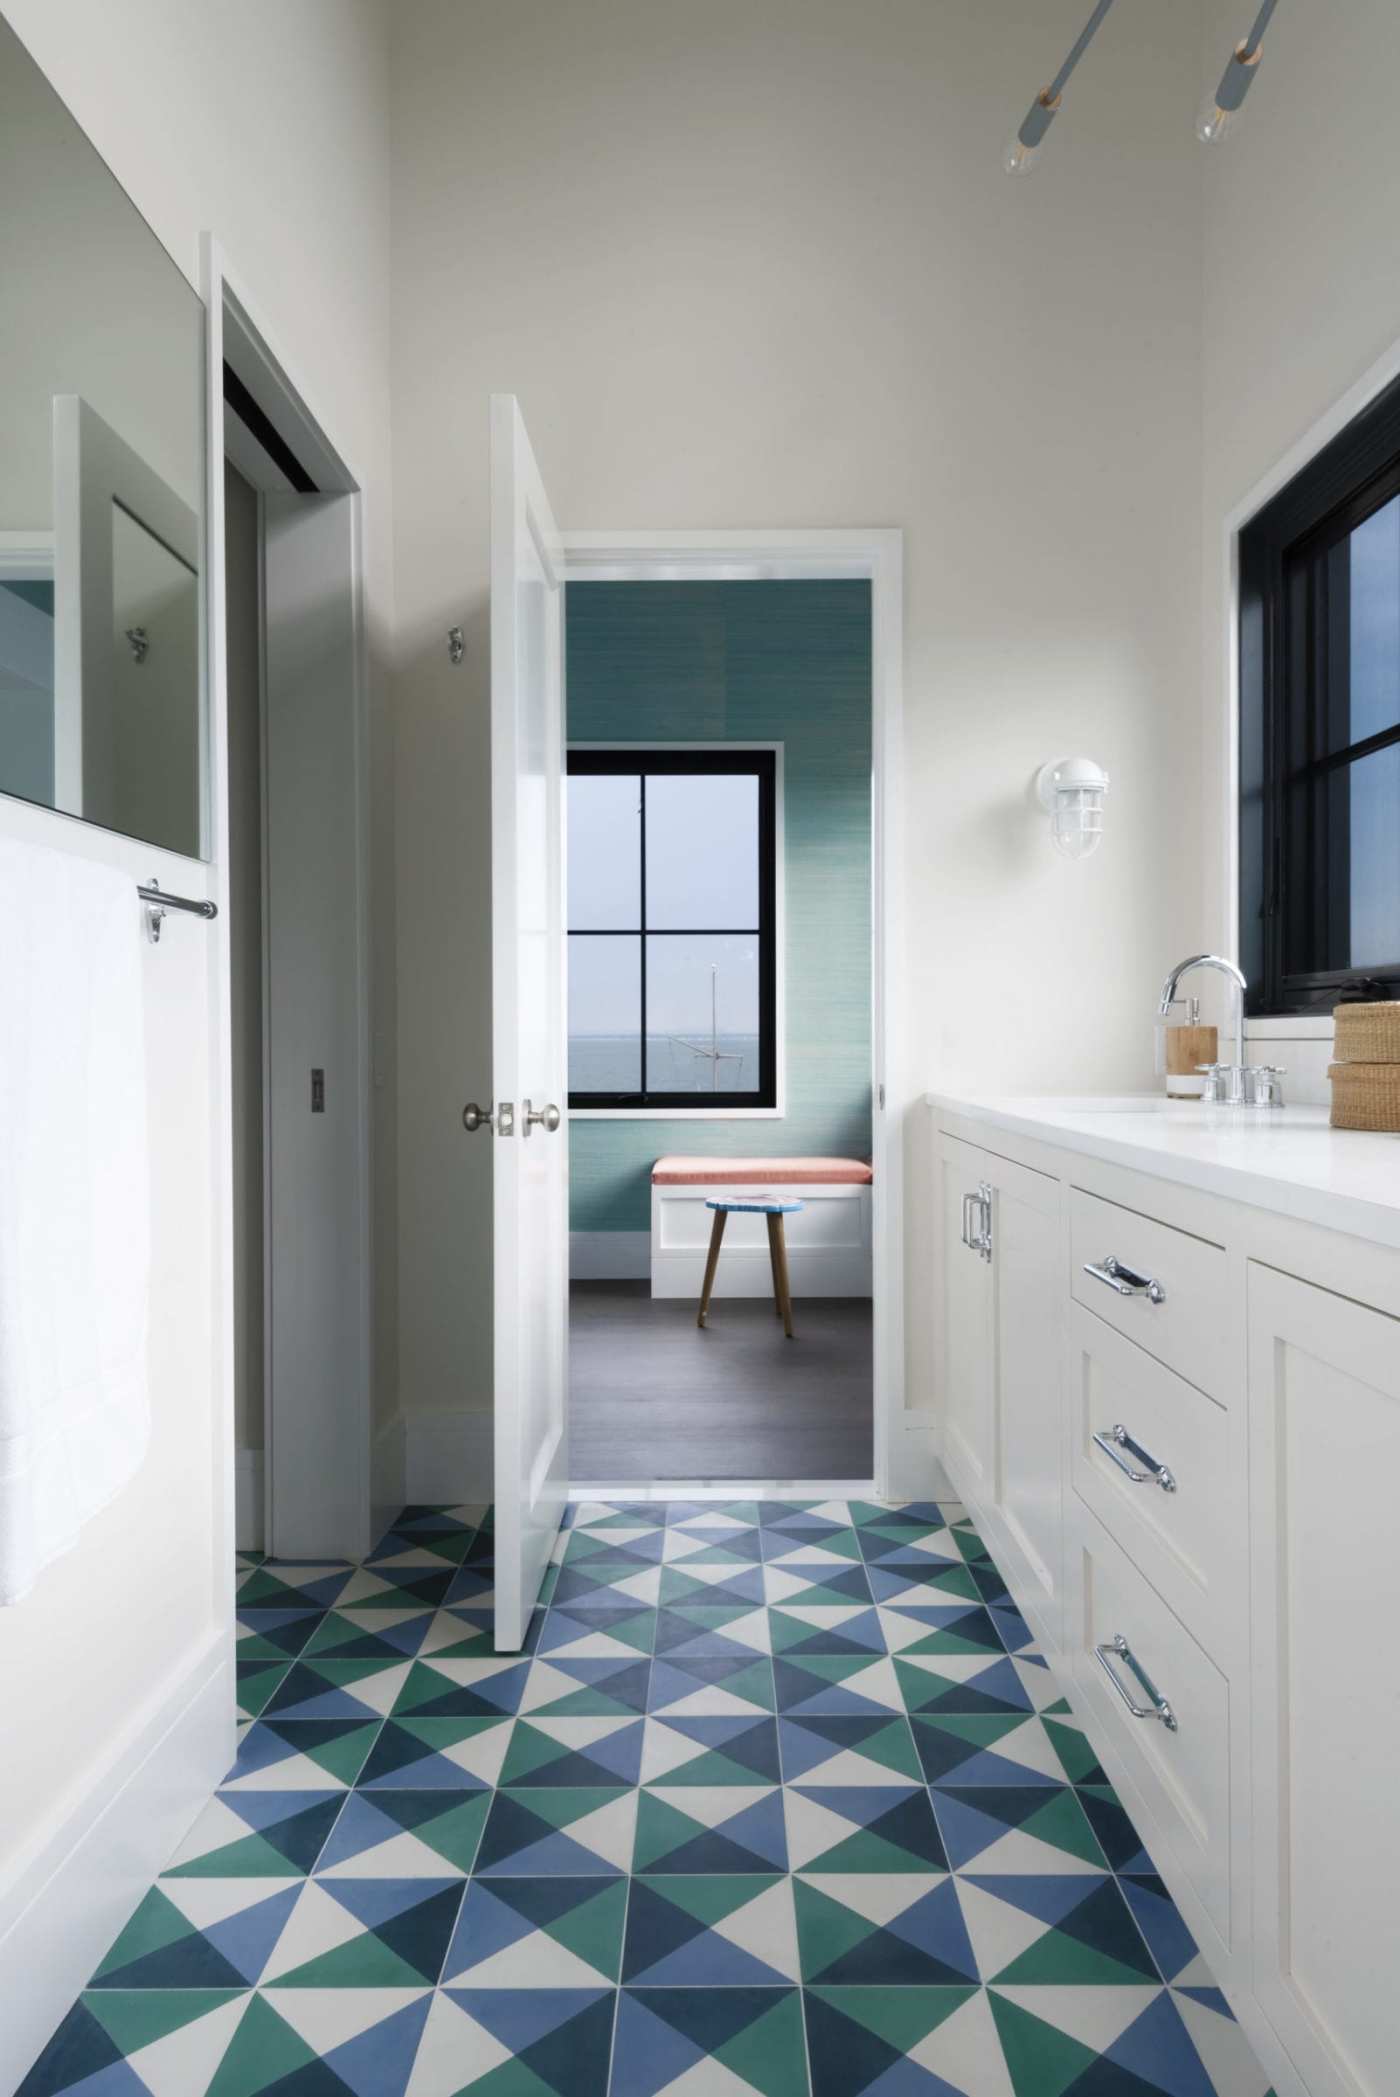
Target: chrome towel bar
{"type": "Point", "coordinates": [158, 902]}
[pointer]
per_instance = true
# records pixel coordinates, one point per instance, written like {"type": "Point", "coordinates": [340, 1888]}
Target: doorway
{"type": "Point", "coordinates": [291, 732]}
{"type": "Point", "coordinates": [720, 944]}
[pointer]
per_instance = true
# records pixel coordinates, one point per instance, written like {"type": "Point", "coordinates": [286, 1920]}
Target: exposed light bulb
{"type": "Point", "coordinates": [1213, 122]}
{"type": "Point", "coordinates": [1023, 151]}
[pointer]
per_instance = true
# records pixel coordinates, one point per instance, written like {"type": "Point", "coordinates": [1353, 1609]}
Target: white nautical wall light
{"type": "Point", "coordinates": [1072, 790]}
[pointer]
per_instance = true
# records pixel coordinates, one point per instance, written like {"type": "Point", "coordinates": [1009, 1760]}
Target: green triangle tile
{"type": "Point", "coordinates": [593, 1930]}
{"type": "Point", "coordinates": [711, 1899]}
{"type": "Point", "coordinates": [831, 1667]}
{"type": "Point", "coordinates": [979, 1729]}
{"type": "Point", "coordinates": [864, 1851]}
{"type": "Point", "coordinates": [771, 2055]}
{"type": "Point", "coordinates": [893, 1749]}
{"type": "Point", "coordinates": [825, 1929]}
{"type": "Point", "coordinates": [156, 1923]}
{"type": "Point", "coordinates": [249, 1857]}
{"type": "Point", "coordinates": [456, 1834]}
{"type": "Point", "coordinates": [1041, 2060]}
{"type": "Point", "coordinates": [562, 1807]}
{"type": "Point", "coordinates": [255, 1690]}
{"type": "Point", "coordinates": [335, 1631]}
{"type": "Point", "coordinates": [529, 1749]}
{"type": "Point", "coordinates": [263, 2050]}
{"type": "Point", "coordinates": [365, 1962]}
{"type": "Point", "coordinates": [344, 1674]}
{"type": "Point", "coordinates": [660, 1829]}
{"type": "Point", "coordinates": [1062, 1822]}
{"type": "Point", "coordinates": [1057, 1960]}
{"type": "Point", "coordinates": [264, 1590]}
{"type": "Point", "coordinates": [136, 2017]}
{"type": "Point", "coordinates": [512, 2079]}
{"type": "Point", "coordinates": [251, 1645]}
{"type": "Point", "coordinates": [949, 1642]}
{"type": "Point", "coordinates": [902, 2017]}
{"type": "Point", "coordinates": [712, 1768]}
{"type": "Point", "coordinates": [344, 1755]}
{"type": "Point", "coordinates": [1076, 1757]}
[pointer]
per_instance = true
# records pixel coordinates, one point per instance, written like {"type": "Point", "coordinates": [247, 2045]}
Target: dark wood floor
{"type": "Point", "coordinates": [652, 1396]}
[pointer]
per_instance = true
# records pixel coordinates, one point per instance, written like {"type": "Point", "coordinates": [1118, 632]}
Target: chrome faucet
{"type": "Point", "coordinates": [1226, 968]}
{"type": "Point", "coordinates": [1237, 1084]}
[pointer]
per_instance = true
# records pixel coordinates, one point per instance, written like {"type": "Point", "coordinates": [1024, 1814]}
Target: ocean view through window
{"type": "Point", "coordinates": [671, 898]}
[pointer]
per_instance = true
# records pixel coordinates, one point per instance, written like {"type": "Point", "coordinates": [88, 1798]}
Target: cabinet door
{"type": "Point", "coordinates": [967, 1342]}
{"type": "Point", "coordinates": [1028, 1266]}
{"type": "Point", "coordinates": [1324, 1424]}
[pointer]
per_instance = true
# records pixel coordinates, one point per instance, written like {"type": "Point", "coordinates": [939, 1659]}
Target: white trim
{"type": "Point", "coordinates": [248, 1528]}
{"type": "Point", "coordinates": [778, 1111]}
{"type": "Point", "coordinates": [582, 1491]}
{"type": "Point", "coordinates": [609, 1255]}
{"type": "Point", "coordinates": [26, 556]}
{"type": "Point", "coordinates": [876, 555]}
{"type": "Point", "coordinates": [1328, 425]}
{"type": "Point", "coordinates": [91, 1863]}
{"type": "Point", "coordinates": [235, 331]}
{"type": "Point", "coordinates": [440, 1453]}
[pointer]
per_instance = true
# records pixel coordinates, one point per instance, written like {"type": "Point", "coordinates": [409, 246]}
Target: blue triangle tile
{"type": "Point", "coordinates": [379, 2062]}
{"type": "Point", "coordinates": [246, 1939]}
{"type": "Point", "coordinates": [1159, 1919]}
{"type": "Point", "coordinates": [1158, 2047]}
{"type": "Point", "coordinates": [375, 1902]}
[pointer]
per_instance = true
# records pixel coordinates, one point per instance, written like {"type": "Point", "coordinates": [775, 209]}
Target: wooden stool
{"type": "Point", "coordinates": [774, 1210]}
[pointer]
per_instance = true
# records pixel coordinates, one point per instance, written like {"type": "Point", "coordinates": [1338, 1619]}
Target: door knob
{"type": "Point", "coordinates": [546, 1118]}
{"type": "Point", "coordinates": [475, 1117]}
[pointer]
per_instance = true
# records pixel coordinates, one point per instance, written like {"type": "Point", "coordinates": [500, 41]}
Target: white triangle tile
{"type": "Point", "coordinates": [204, 1902]}
{"type": "Point", "coordinates": [402, 1856]}
{"type": "Point", "coordinates": [642, 1586]}
{"type": "Point", "coordinates": [188, 2059]}
{"type": "Point", "coordinates": [1226, 2054]}
{"type": "Point", "coordinates": [708, 2078]}
{"type": "Point", "coordinates": [580, 1734]}
{"type": "Point", "coordinates": [454, 2052]}
{"type": "Point", "coordinates": [781, 1584]}
{"type": "Point", "coordinates": [380, 1691]}
{"type": "Point", "coordinates": [712, 1520]}
{"type": "Point", "coordinates": [713, 1702]}
{"type": "Point", "coordinates": [877, 1896]}
{"type": "Point", "coordinates": [292, 1773]}
{"type": "Point", "coordinates": [766, 1928]}
{"type": "Point", "coordinates": [609, 1831]}
{"type": "Point", "coordinates": [954, 1667]}
{"type": "Point", "coordinates": [850, 1767]}
{"type": "Point", "coordinates": [1030, 1747]}
{"type": "Point", "coordinates": [1094, 2016]}
{"type": "Point", "coordinates": [681, 1544]}
{"type": "Point", "coordinates": [589, 1645]}
{"type": "Point", "coordinates": [664, 1750]}
{"type": "Point", "coordinates": [317, 1924]}
{"type": "Point", "coordinates": [1000, 1932]}
{"type": "Point", "coordinates": [415, 1555]}
{"type": "Point", "coordinates": [304, 1575]}
{"type": "Point", "coordinates": [820, 1557]}
{"type": "Point", "coordinates": [901, 1631]}
{"type": "Point", "coordinates": [481, 1755]}
{"type": "Point", "coordinates": [716, 1575]}
{"type": "Point", "coordinates": [966, 2052]}
{"type": "Point", "coordinates": [546, 1685]}
{"type": "Point", "coordinates": [1038, 1682]}
{"type": "Point", "coordinates": [364, 1586]}
{"type": "Point", "coordinates": [468, 1671]}
{"type": "Point", "coordinates": [536, 1961]}
{"type": "Point", "coordinates": [822, 1616]}
{"type": "Point", "coordinates": [878, 1682]}
{"type": "Point", "coordinates": [1016, 1851]}
{"type": "Point", "coordinates": [753, 1631]}
{"type": "Point", "coordinates": [216, 1826]}
{"type": "Point", "coordinates": [711, 1804]}
{"type": "Point", "coordinates": [917, 1595]}
{"type": "Point", "coordinates": [329, 2017]}
{"type": "Point", "coordinates": [445, 1630]}
{"type": "Point", "coordinates": [812, 1829]}
{"type": "Point", "coordinates": [1195, 1974]}
{"type": "Point", "coordinates": [838, 1511]}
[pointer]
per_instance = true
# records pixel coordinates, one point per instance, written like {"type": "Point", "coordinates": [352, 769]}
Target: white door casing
{"type": "Point", "coordinates": [531, 1161]}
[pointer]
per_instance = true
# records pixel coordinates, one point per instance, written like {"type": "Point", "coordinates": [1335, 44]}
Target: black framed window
{"type": "Point", "coordinates": [1320, 727]}
{"type": "Point", "coordinates": [672, 896]}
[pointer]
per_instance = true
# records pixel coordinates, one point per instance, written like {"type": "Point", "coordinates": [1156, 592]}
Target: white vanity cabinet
{"type": "Point", "coordinates": [1175, 1416]}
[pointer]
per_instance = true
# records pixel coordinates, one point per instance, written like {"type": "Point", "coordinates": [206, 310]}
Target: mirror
{"type": "Point", "coordinates": [101, 488]}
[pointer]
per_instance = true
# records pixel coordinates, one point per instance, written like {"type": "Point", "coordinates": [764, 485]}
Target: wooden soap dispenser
{"type": "Point", "coordinates": [1183, 1044]}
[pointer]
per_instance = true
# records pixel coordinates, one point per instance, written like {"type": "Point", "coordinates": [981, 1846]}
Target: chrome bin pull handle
{"type": "Point", "coordinates": [1125, 1281]}
{"type": "Point", "coordinates": [1116, 1438]}
{"type": "Point", "coordinates": [1118, 1648]}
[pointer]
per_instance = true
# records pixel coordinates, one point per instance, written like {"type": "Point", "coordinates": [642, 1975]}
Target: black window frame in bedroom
{"type": "Point", "coordinates": [762, 765]}
{"type": "Point", "coordinates": [1295, 746]}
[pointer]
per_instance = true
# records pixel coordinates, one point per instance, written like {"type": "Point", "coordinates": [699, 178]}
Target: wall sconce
{"type": "Point", "coordinates": [1220, 108]}
{"type": "Point", "coordinates": [1072, 790]}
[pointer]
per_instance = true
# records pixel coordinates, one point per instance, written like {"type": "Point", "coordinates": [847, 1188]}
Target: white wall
{"type": "Point", "coordinates": [268, 124]}
{"type": "Point", "coordinates": [1301, 294]}
{"type": "Point", "coordinates": [757, 264]}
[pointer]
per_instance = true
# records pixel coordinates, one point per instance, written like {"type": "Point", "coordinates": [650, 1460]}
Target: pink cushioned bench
{"type": "Point", "coordinates": [827, 1240]}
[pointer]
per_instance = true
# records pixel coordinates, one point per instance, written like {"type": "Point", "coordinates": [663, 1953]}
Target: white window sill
{"type": "Point", "coordinates": [676, 1113]}
{"type": "Point", "coordinates": [1300, 1026]}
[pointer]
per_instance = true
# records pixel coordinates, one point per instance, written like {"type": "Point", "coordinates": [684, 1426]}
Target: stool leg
{"type": "Point", "coordinates": [712, 1261]}
{"type": "Point", "coordinates": [773, 1263]}
{"type": "Point", "coordinates": [777, 1246]}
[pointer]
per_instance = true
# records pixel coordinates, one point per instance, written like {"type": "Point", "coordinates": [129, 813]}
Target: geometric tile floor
{"type": "Point", "coordinates": [781, 1799]}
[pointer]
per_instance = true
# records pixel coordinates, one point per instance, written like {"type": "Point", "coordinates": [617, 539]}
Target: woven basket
{"type": "Point", "coordinates": [1368, 1033]}
{"type": "Point", "coordinates": [1366, 1096]}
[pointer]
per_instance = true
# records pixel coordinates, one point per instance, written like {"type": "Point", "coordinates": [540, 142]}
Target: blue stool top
{"type": "Point", "coordinates": [761, 1205]}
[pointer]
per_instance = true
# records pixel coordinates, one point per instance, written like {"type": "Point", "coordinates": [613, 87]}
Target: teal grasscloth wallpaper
{"type": "Point", "coordinates": [784, 662]}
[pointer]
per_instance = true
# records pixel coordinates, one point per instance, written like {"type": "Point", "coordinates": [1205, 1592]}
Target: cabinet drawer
{"type": "Point", "coordinates": [1183, 1322]}
{"type": "Point", "coordinates": [1180, 1533]}
{"type": "Point", "coordinates": [1182, 1771]}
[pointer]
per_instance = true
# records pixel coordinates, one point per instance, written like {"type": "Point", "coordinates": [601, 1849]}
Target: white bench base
{"type": "Point", "coordinates": [828, 1241]}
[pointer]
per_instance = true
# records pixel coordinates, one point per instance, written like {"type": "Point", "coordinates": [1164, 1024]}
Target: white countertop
{"type": "Point", "coordinates": [1286, 1159]}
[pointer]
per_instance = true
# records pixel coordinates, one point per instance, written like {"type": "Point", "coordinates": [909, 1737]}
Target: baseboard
{"type": "Point", "coordinates": [386, 1474]}
{"type": "Point", "coordinates": [248, 1504]}
{"type": "Point", "coordinates": [81, 1882]}
{"type": "Point", "coordinates": [439, 1454]}
{"type": "Point", "coordinates": [916, 1465]}
{"type": "Point", "coordinates": [609, 1255]}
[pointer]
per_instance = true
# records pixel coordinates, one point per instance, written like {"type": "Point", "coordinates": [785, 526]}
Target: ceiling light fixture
{"type": "Point", "coordinates": [1219, 109]}
{"type": "Point", "coordinates": [1024, 150]}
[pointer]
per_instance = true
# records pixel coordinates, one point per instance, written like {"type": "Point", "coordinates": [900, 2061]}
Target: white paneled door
{"type": "Point", "coordinates": [531, 1155]}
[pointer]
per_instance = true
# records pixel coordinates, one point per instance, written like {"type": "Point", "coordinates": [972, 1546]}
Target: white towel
{"type": "Point", "coordinates": [74, 1201]}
